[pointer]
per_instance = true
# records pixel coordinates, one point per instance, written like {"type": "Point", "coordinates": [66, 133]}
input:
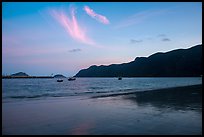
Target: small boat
{"type": "Point", "coordinates": [71, 78]}
{"type": "Point", "coordinates": [120, 78]}
{"type": "Point", "coordinates": [60, 80]}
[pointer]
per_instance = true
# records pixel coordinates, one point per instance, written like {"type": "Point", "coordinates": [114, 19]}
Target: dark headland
{"type": "Point", "coordinates": [175, 63]}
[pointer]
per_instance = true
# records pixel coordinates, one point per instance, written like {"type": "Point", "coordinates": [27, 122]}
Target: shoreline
{"type": "Point", "coordinates": [129, 92]}
{"type": "Point", "coordinates": [14, 77]}
{"type": "Point", "coordinates": [170, 89]}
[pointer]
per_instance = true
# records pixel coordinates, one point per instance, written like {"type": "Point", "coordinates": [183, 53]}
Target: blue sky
{"type": "Point", "coordinates": [41, 38]}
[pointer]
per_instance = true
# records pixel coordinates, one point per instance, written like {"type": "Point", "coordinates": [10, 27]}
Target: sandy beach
{"type": "Point", "coordinates": [172, 111]}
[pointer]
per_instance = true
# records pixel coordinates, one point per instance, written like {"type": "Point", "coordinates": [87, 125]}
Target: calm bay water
{"type": "Point", "coordinates": [28, 89]}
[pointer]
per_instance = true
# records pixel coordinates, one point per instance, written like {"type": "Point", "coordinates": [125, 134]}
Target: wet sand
{"type": "Point", "coordinates": [173, 111]}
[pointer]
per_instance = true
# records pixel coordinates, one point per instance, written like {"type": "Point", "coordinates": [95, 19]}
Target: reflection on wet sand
{"type": "Point", "coordinates": [83, 128]}
{"type": "Point", "coordinates": [180, 98]}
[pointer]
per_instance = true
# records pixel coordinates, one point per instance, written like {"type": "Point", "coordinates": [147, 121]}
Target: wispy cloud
{"type": "Point", "coordinates": [96, 16]}
{"type": "Point", "coordinates": [166, 39]}
{"type": "Point", "coordinates": [135, 41]}
{"type": "Point", "coordinates": [74, 50]}
{"type": "Point", "coordinates": [139, 17]}
{"type": "Point", "coordinates": [71, 25]}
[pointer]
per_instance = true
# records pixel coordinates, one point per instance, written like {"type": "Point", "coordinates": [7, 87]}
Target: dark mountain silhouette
{"type": "Point", "coordinates": [21, 74]}
{"type": "Point", "coordinates": [59, 76]}
{"type": "Point", "coordinates": [175, 63]}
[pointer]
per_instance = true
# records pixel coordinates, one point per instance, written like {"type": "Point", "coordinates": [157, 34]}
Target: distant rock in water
{"type": "Point", "coordinates": [175, 63]}
{"type": "Point", "coordinates": [59, 76]}
{"type": "Point", "coordinates": [21, 74]}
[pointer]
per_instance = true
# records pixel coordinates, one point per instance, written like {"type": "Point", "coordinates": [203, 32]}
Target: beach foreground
{"type": "Point", "coordinates": [166, 111]}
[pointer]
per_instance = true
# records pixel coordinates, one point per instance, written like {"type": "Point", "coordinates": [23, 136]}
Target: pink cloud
{"type": "Point", "coordinates": [96, 16]}
{"type": "Point", "coordinates": [71, 26]}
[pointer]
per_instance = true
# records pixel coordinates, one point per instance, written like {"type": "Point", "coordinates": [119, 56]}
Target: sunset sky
{"type": "Point", "coordinates": [41, 38]}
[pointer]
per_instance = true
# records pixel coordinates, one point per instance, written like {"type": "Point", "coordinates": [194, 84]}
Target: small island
{"type": "Point", "coordinates": [23, 75]}
{"type": "Point", "coordinates": [59, 76]}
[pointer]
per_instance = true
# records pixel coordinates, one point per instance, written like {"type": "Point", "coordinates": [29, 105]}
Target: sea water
{"type": "Point", "coordinates": [29, 89]}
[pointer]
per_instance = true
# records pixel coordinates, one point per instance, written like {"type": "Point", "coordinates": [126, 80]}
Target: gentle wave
{"type": "Point", "coordinates": [132, 91]}
{"type": "Point", "coordinates": [90, 93]}
{"type": "Point", "coordinates": [86, 87]}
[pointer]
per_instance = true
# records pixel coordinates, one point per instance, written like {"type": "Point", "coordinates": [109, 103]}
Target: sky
{"type": "Point", "coordinates": [45, 38]}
